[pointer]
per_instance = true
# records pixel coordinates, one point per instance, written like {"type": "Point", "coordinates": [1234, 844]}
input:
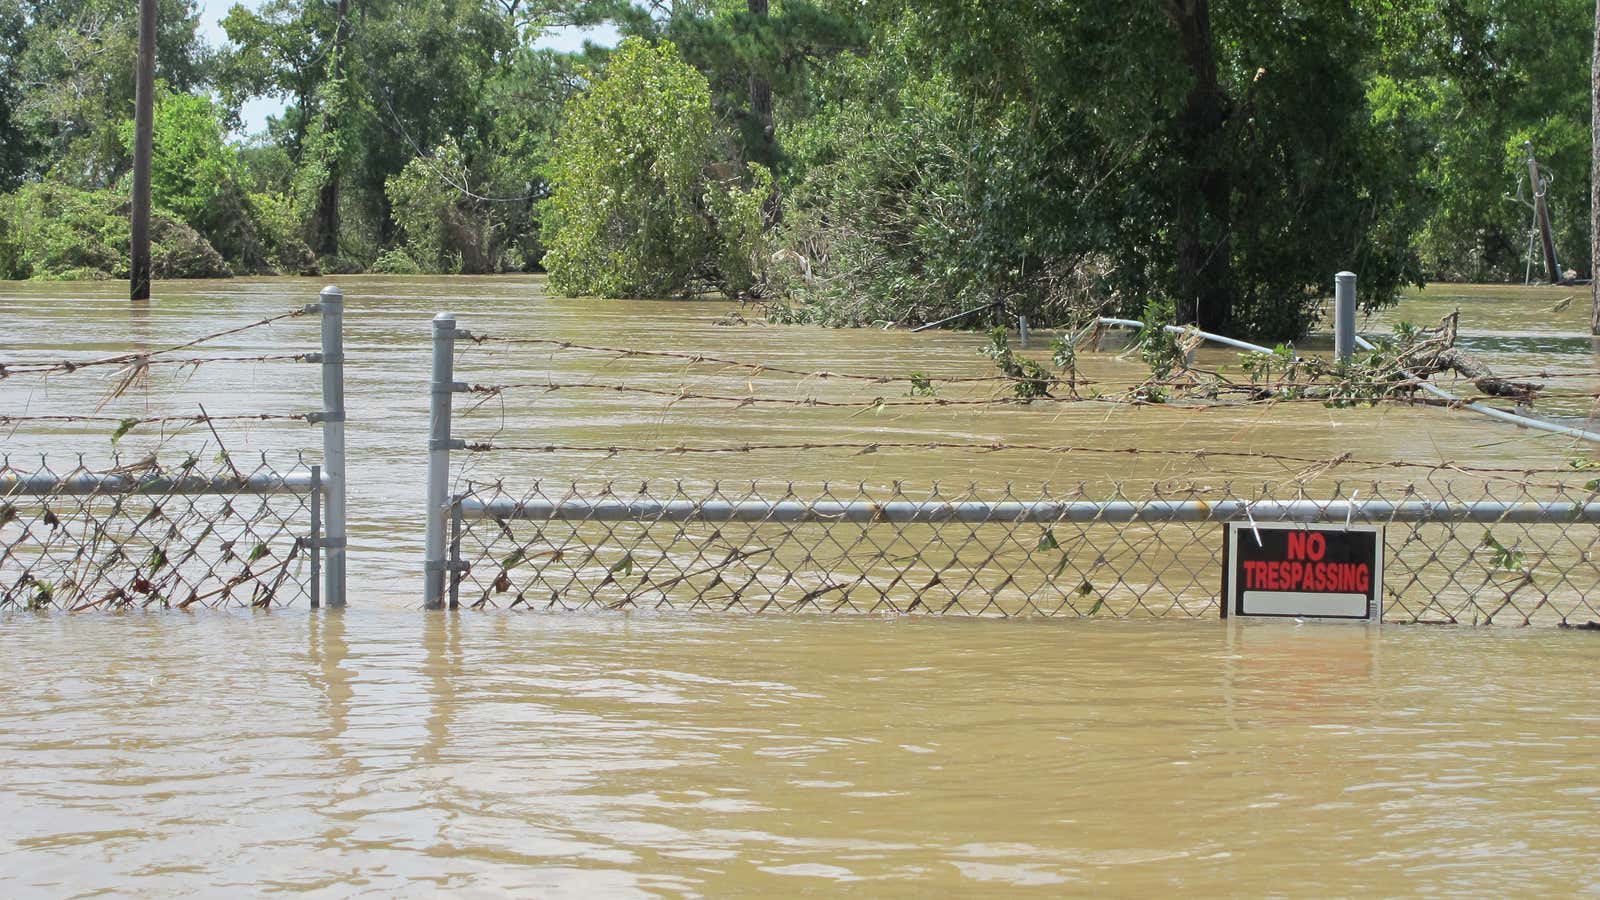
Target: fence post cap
{"type": "Point", "coordinates": [444, 320]}
{"type": "Point", "coordinates": [333, 293]}
{"type": "Point", "coordinates": [1345, 275]}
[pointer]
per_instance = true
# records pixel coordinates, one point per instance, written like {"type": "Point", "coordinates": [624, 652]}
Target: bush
{"type": "Point", "coordinates": [63, 233]}
{"type": "Point", "coordinates": [62, 230]}
{"type": "Point", "coordinates": [277, 224]}
{"type": "Point", "coordinates": [395, 262]}
{"type": "Point", "coordinates": [633, 211]}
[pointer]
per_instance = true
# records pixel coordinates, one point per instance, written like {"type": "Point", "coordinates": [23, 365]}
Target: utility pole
{"type": "Point", "coordinates": [144, 85]}
{"type": "Point", "coordinates": [1594, 180]}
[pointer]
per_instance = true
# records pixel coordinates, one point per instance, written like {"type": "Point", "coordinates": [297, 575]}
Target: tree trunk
{"type": "Point", "coordinates": [765, 150]}
{"type": "Point", "coordinates": [324, 237]}
{"type": "Point", "coordinates": [144, 82]}
{"type": "Point", "coordinates": [1594, 180]}
{"type": "Point", "coordinates": [1203, 219]}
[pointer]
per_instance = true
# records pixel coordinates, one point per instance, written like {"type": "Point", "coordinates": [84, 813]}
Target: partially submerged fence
{"type": "Point", "coordinates": [180, 531]}
{"type": "Point", "coordinates": [1500, 547]}
{"type": "Point", "coordinates": [139, 536]}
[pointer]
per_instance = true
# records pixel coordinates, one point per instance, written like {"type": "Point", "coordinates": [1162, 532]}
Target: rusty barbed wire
{"type": "Point", "coordinates": [135, 421]}
{"type": "Point", "coordinates": [1245, 393]}
{"type": "Point", "coordinates": [752, 367]}
{"type": "Point", "coordinates": [146, 358]}
{"type": "Point", "coordinates": [987, 447]}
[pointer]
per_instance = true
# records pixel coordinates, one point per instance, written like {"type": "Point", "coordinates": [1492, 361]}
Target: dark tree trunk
{"type": "Point", "coordinates": [144, 84]}
{"type": "Point", "coordinates": [1594, 180]}
{"type": "Point", "coordinates": [765, 150]}
{"type": "Point", "coordinates": [324, 237]}
{"type": "Point", "coordinates": [1204, 259]}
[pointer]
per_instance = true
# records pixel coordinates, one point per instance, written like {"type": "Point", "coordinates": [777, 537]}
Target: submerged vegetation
{"type": "Point", "coordinates": [845, 162]}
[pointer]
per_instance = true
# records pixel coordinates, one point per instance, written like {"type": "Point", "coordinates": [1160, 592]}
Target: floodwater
{"type": "Point", "coordinates": [390, 753]}
{"type": "Point", "coordinates": [387, 752]}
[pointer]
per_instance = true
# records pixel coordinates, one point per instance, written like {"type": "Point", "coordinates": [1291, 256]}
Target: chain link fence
{"type": "Point", "coordinates": [1516, 554]}
{"type": "Point", "coordinates": [139, 536]}
{"type": "Point", "coordinates": [191, 519]}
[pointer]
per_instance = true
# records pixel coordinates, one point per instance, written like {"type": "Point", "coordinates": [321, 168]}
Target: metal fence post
{"type": "Point", "coordinates": [333, 470]}
{"type": "Point", "coordinates": [1344, 316]}
{"type": "Point", "coordinates": [440, 400]}
{"type": "Point", "coordinates": [1022, 331]}
{"type": "Point", "coordinates": [316, 537]}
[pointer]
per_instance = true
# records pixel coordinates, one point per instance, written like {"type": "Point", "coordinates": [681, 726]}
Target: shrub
{"type": "Point", "coordinates": [64, 233]}
{"type": "Point", "coordinates": [634, 211]}
{"type": "Point", "coordinates": [395, 262]}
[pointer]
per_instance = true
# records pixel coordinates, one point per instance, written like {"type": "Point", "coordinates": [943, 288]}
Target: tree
{"type": "Point", "coordinates": [1594, 176]}
{"type": "Point", "coordinates": [633, 212]}
{"type": "Point", "coordinates": [73, 64]}
{"type": "Point", "coordinates": [1230, 188]}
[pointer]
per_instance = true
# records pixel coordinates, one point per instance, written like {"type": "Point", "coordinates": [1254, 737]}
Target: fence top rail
{"type": "Point", "coordinates": [46, 484]}
{"type": "Point", "coordinates": [1029, 512]}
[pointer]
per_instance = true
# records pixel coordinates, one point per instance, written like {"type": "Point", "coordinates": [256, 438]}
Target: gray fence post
{"type": "Point", "coordinates": [440, 400]}
{"type": "Point", "coordinates": [316, 536]}
{"type": "Point", "coordinates": [1344, 316]}
{"type": "Point", "coordinates": [332, 418]}
{"type": "Point", "coordinates": [1022, 331]}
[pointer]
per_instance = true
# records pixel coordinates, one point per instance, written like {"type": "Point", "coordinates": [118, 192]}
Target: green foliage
{"type": "Point", "coordinates": [277, 223]}
{"type": "Point", "coordinates": [1480, 77]}
{"type": "Point", "coordinates": [63, 233]}
{"type": "Point", "coordinates": [395, 262]}
{"type": "Point", "coordinates": [624, 216]}
{"type": "Point", "coordinates": [907, 160]}
{"type": "Point", "coordinates": [1029, 379]}
{"type": "Point", "coordinates": [191, 169]}
{"type": "Point", "coordinates": [634, 210]}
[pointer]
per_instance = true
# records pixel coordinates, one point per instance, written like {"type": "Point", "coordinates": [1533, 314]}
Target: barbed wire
{"type": "Point", "coordinates": [868, 447]}
{"type": "Point", "coordinates": [1244, 394]}
{"type": "Point", "coordinates": [145, 358]}
{"type": "Point", "coordinates": [133, 421]}
{"type": "Point", "coordinates": [824, 374]}
{"type": "Point", "coordinates": [753, 367]}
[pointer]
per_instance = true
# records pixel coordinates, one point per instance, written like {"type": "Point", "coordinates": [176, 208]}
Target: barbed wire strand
{"type": "Point", "coordinates": [868, 447]}
{"type": "Point", "coordinates": [145, 358]}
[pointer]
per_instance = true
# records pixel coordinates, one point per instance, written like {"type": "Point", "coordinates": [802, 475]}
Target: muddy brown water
{"type": "Point", "coordinates": [389, 753]}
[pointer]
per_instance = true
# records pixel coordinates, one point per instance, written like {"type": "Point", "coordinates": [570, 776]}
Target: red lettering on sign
{"type": "Point", "coordinates": [1297, 544]}
{"type": "Point", "coordinates": [1316, 545]}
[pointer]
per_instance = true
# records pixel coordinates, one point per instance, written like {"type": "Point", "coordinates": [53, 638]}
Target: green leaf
{"type": "Point", "coordinates": [1047, 541]}
{"type": "Point", "coordinates": [123, 427]}
{"type": "Point", "coordinates": [259, 551]}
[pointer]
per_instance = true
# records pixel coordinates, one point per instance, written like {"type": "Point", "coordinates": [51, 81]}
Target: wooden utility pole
{"type": "Point", "coordinates": [144, 85]}
{"type": "Point", "coordinates": [1594, 179]}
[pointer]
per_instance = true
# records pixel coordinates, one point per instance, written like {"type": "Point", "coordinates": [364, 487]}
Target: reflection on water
{"type": "Point", "coordinates": [391, 752]}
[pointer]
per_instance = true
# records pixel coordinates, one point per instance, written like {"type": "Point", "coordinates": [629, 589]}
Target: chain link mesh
{"type": "Point", "coordinates": [1450, 571]}
{"type": "Point", "coordinates": [143, 536]}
